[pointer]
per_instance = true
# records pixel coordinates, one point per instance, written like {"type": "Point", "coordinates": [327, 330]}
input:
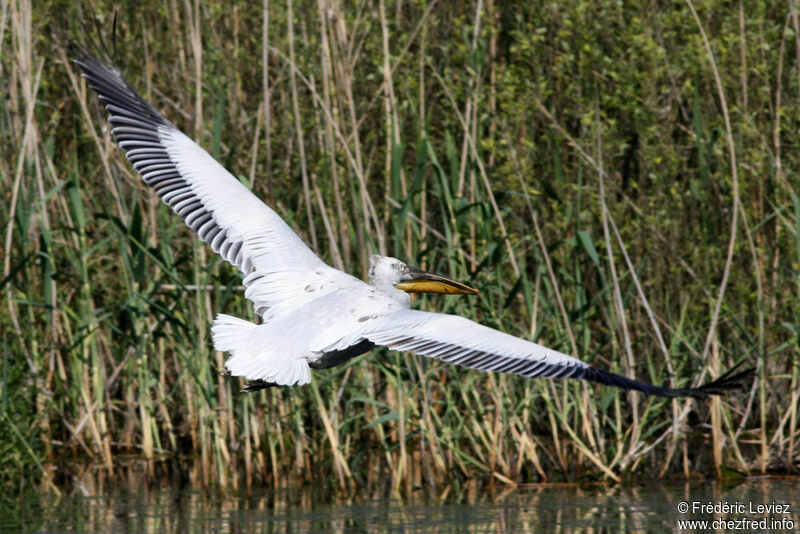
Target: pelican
{"type": "Point", "coordinates": [314, 316]}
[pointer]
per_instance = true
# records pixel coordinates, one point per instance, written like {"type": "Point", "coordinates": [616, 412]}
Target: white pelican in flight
{"type": "Point", "coordinates": [314, 316]}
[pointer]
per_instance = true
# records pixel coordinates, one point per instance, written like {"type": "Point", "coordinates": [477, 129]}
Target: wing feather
{"type": "Point", "coordinates": [212, 202]}
{"type": "Point", "coordinates": [459, 341]}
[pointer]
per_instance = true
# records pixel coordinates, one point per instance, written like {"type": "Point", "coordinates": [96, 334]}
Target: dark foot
{"type": "Point", "coordinates": [257, 385]}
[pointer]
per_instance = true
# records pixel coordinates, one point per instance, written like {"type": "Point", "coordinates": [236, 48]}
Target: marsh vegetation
{"type": "Point", "coordinates": [620, 182]}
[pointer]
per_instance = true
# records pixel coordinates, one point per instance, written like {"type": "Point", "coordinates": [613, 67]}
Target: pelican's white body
{"type": "Point", "coordinates": [280, 350]}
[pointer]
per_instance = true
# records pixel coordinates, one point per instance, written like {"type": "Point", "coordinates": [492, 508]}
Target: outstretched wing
{"type": "Point", "coordinates": [229, 218]}
{"type": "Point", "coordinates": [460, 341]}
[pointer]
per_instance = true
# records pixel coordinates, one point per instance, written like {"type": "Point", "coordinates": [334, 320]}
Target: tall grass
{"type": "Point", "coordinates": [604, 176]}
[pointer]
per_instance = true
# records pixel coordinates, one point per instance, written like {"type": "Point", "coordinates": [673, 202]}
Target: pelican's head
{"type": "Point", "coordinates": [388, 274]}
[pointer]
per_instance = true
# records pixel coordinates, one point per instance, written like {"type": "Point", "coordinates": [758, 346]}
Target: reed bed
{"type": "Point", "coordinates": [619, 182]}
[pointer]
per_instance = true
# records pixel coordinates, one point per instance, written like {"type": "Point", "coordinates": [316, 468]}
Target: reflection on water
{"type": "Point", "coordinates": [552, 508]}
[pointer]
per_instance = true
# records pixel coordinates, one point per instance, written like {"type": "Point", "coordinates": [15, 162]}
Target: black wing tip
{"type": "Point", "coordinates": [99, 66]}
{"type": "Point", "coordinates": [85, 48]}
{"type": "Point", "coordinates": [728, 381]}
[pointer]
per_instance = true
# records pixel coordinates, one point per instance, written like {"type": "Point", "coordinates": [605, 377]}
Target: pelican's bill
{"type": "Point", "coordinates": [420, 281]}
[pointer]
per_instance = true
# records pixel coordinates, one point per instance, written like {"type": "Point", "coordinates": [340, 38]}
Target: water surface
{"type": "Point", "coordinates": [539, 508]}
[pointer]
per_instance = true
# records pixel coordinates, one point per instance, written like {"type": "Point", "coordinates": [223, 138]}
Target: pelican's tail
{"type": "Point", "coordinates": [231, 334]}
{"type": "Point", "coordinates": [251, 356]}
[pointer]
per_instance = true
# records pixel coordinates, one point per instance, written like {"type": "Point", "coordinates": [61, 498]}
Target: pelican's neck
{"type": "Point", "coordinates": [384, 273]}
{"type": "Point", "coordinates": [387, 288]}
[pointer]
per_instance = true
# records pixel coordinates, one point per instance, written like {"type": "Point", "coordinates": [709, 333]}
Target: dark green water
{"type": "Point", "coordinates": [546, 508]}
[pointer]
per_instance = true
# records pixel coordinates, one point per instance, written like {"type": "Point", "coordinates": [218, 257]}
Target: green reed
{"type": "Point", "coordinates": [581, 182]}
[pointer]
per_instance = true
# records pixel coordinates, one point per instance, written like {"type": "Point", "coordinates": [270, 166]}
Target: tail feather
{"type": "Point", "coordinates": [251, 357]}
{"type": "Point", "coordinates": [231, 334]}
